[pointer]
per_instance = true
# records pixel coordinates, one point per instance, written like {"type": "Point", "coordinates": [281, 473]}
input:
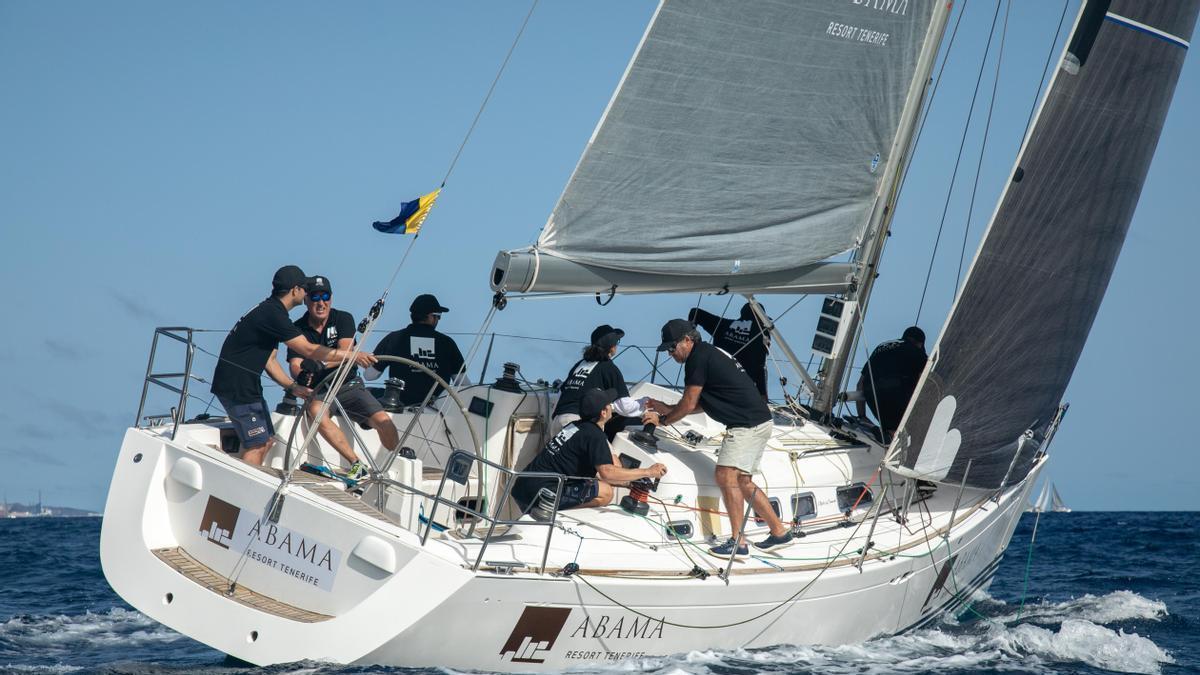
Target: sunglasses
{"type": "Point", "coordinates": [319, 297]}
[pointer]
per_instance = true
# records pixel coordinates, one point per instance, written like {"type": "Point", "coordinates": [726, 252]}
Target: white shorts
{"type": "Point", "coordinates": [743, 447]}
{"type": "Point", "coordinates": [561, 421]}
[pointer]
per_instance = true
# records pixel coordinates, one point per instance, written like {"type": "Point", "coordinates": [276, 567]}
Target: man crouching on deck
{"type": "Point", "coordinates": [581, 452]}
{"type": "Point", "coordinates": [715, 384]}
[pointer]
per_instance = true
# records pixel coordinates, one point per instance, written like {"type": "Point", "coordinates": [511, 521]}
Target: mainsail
{"type": "Point", "coordinates": [746, 143]}
{"type": "Point", "coordinates": [1004, 358]}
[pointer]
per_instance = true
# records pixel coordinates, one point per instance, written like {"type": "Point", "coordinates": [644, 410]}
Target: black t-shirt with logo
{"type": "Point", "coordinates": [339, 325]}
{"type": "Point", "coordinates": [728, 395]}
{"type": "Point", "coordinates": [425, 345]}
{"type": "Point", "coordinates": [586, 375]}
{"type": "Point", "coordinates": [889, 378]}
{"type": "Point", "coordinates": [246, 349]}
{"type": "Point", "coordinates": [575, 452]}
{"type": "Point", "coordinates": [743, 338]}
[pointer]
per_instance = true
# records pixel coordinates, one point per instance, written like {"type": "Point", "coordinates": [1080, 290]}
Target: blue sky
{"type": "Point", "coordinates": [160, 160]}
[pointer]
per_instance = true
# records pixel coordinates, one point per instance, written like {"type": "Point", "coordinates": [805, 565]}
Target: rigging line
{"type": "Point", "coordinates": [491, 89]}
{"type": "Point", "coordinates": [1046, 67]}
{"type": "Point", "coordinates": [458, 153]}
{"type": "Point", "coordinates": [962, 254]}
{"type": "Point", "coordinates": [1028, 562]}
{"type": "Point", "coordinates": [932, 93]}
{"type": "Point", "coordinates": [962, 143]}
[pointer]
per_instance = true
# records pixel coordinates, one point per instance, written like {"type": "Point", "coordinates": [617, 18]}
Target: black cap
{"type": "Point", "coordinates": [914, 333]}
{"type": "Point", "coordinates": [427, 304]}
{"type": "Point", "coordinates": [319, 284]}
{"type": "Point", "coordinates": [606, 336]}
{"type": "Point", "coordinates": [673, 330]}
{"type": "Point", "coordinates": [288, 277]}
{"type": "Point", "coordinates": [594, 401]}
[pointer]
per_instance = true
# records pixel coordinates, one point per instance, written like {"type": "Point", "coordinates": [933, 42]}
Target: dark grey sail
{"type": "Point", "coordinates": [1006, 354]}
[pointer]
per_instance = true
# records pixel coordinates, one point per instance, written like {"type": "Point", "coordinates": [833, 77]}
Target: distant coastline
{"type": "Point", "coordinates": [19, 510]}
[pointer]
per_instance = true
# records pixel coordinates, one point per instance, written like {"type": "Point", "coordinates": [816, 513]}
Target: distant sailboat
{"type": "Point", "coordinates": [1048, 501]}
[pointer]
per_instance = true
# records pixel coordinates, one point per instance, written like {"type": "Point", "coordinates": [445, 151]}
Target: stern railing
{"type": "Point", "coordinates": [178, 413]}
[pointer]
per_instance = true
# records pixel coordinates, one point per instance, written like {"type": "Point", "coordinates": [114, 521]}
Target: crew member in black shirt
{"type": "Point", "coordinates": [744, 339]}
{"type": "Point", "coordinates": [250, 348]}
{"type": "Point", "coordinates": [594, 371]}
{"type": "Point", "coordinates": [715, 384]}
{"type": "Point", "coordinates": [581, 453]}
{"type": "Point", "coordinates": [889, 378]}
{"type": "Point", "coordinates": [421, 342]}
{"type": "Point", "coordinates": [324, 325]}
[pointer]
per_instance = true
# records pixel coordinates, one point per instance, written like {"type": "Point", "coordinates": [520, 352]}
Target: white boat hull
{"type": "Point", "coordinates": [327, 583]}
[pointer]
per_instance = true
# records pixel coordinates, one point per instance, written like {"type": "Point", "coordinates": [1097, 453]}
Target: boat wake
{"type": "Point", "coordinates": [47, 643]}
{"type": "Point", "coordinates": [1045, 638]}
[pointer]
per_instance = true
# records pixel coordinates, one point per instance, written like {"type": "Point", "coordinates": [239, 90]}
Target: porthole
{"type": "Point", "coordinates": [775, 506]}
{"type": "Point", "coordinates": [804, 506]}
{"type": "Point", "coordinates": [679, 529]}
{"type": "Point", "coordinates": [849, 496]}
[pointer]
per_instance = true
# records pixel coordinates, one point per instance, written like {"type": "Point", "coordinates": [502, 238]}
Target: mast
{"type": "Point", "coordinates": [870, 250]}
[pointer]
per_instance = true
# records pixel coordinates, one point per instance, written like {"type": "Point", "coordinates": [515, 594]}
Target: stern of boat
{"type": "Point", "coordinates": [323, 581]}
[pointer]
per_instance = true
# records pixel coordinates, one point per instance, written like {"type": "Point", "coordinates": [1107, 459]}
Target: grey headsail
{"type": "Point", "coordinates": [1007, 351]}
{"type": "Point", "coordinates": [747, 142]}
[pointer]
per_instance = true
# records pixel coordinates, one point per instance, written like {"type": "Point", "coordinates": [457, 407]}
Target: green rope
{"type": "Point", "coordinates": [1028, 563]}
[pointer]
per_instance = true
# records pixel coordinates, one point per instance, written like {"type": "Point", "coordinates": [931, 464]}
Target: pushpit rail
{"type": "Point", "coordinates": [180, 334]}
{"type": "Point", "coordinates": [457, 470]}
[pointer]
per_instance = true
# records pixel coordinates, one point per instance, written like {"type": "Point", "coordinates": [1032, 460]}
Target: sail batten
{"type": "Point", "coordinates": [1010, 345]}
{"type": "Point", "coordinates": [743, 139]}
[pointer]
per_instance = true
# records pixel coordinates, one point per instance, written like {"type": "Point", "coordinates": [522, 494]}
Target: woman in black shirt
{"type": "Point", "coordinates": [594, 371]}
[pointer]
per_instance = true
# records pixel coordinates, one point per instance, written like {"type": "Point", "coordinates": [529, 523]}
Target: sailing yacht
{"type": "Point", "coordinates": [1048, 501]}
{"type": "Point", "coordinates": [744, 148]}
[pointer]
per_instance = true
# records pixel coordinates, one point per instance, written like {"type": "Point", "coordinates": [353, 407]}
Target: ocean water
{"type": "Point", "coordinates": [1107, 592]}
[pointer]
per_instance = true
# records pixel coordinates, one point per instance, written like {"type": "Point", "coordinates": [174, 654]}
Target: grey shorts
{"type": "Point", "coordinates": [743, 447]}
{"type": "Point", "coordinates": [359, 403]}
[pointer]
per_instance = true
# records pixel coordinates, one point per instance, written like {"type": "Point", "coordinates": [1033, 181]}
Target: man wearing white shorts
{"type": "Point", "coordinates": [715, 384]}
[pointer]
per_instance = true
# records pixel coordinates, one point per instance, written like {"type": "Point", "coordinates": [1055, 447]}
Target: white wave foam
{"type": "Point", "coordinates": [1083, 641]}
{"type": "Point", "coordinates": [1104, 609]}
{"type": "Point", "coordinates": [116, 626]}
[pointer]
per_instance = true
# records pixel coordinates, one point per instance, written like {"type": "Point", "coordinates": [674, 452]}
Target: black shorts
{"type": "Point", "coordinates": [575, 491]}
{"type": "Point", "coordinates": [251, 420]}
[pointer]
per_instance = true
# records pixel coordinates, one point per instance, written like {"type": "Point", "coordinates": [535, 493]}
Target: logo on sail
{"type": "Point", "coordinates": [891, 6]}
{"type": "Point", "coordinates": [535, 634]}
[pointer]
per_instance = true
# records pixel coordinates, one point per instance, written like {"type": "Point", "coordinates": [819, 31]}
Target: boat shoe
{"type": "Point", "coordinates": [774, 541]}
{"type": "Point", "coordinates": [726, 548]}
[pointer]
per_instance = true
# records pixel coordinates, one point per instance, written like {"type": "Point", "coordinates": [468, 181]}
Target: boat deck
{"type": "Point", "coordinates": [179, 560]}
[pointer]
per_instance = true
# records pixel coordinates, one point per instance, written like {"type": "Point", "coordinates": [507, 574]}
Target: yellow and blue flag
{"type": "Point", "coordinates": [412, 214]}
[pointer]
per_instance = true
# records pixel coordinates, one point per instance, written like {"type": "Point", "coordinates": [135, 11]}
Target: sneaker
{"type": "Point", "coordinates": [358, 471]}
{"type": "Point", "coordinates": [773, 541]}
{"type": "Point", "coordinates": [727, 548]}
